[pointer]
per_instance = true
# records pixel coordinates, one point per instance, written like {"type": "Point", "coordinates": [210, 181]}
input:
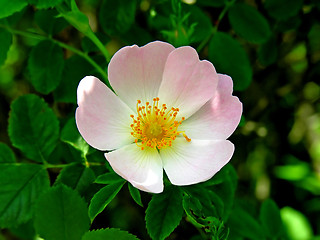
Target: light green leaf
{"type": "Point", "coordinates": [45, 69]}
{"type": "Point", "coordinates": [108, 178]}
{"type": "Point", "coordinates": [283, 9]}
{"type": "Point", "coordinates": [228, 56]}
{"type": "Point", "coordinates": [20, 187]}
{"type": "Point", "coordinates": [164, 213]}
{"type": "Point", "coordinates": [61, 214]}
{"type": "Point", "coordinates": [76, 176]}
{"type": "Point", "coordinates": [8, 8]}
{"type": "Point", "coordinates": [6, 154]}
{"type": "Point", "coordinates": [135, 194]}
{"type": "Point", "coordinates": [103, 197]}
{"type": "Point", "coordinates": [5, 43]}
{"type": "Point", "coordinates": [70, 134]}
{"type": "Point", "coordinates": [33, 127]}
{"type": "Point", "coordinates": [270, 218]}
{"type": "Point", "coordinates": [249, 23]}
{"type": "Point", "coordinates": [109, 233]}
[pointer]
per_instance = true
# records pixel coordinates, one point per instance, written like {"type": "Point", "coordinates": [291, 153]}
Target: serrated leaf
{"type": "Point", "coordinates": [135, 194]}
{"type": "Point", "coordinates": [120, 19]}
{"type": "Point", "coordinates": [61, 214]}
{"type": "Point", "coordinates": [70, 134]}
{"type": "Point", "coordinates": [48, 21]}
{"type": "Point", "coordinates": [5, 43]}
{"type": "Point", "coordinates": [8, 8]}
{"type": "Point", "coordinates": [283, 9]}
{"type": "Point", "coordinates": [249, 23]}
{"type": "Point", "coordinates": [45, 3]}
{"type": "Point", "coordinates": [103, 197]}
{"type": "Point", "coordinates": [33, 127]}
{"type": "Point", "coordinates": [20, 187]}
{"type": "Point", "coordinates": [76, 176]}
{"type": "Point", "coordinates": [45, 65]}
{"type": "Point", "coordinates": [6, 154]}
{"type": "Point", "coordinates": [228, 56]}
{"type": "Point", "coordinates": [164, 213]}
{"type": "Point", "coordinates": [108, 233]}
{"type": "Point", "coordinates": [108, 178]}
{"type": "Point", "coordinates": [271, 219]}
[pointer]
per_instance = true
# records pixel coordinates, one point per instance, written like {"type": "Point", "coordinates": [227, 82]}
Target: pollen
{"type": "Point", "coordinates": [156, 126]}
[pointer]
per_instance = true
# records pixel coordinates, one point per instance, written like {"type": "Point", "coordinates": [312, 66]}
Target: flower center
{"type": "Point", "coordinates": [155, 126]}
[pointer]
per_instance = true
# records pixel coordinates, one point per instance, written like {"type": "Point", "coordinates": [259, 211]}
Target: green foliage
{"type": "Point", "coordinates": [20, 187]}
{"type": "Point", "coordinates": [283, 9]}
{"type": "Point", "coordinates": [45, 3]}
{"type": "Point", "coordinates": [249, 23]}
{"type": "Point", "coordinates": [5, 42]}
{"type": "Point", "coordinates": [221, 47]}
{"type": "Point", "coordinates": [108, 178]}
{"type": "Point", "coordinates": [135, 194]}
{"type": "Point", "coordinates": [164, 213]}
{"type": "Point", "coordinates": [6, 154]}
{"type": "Point", "coordinates": [103, 197]}
{"type": "Point", "coordinates": [61, 214]}
{"type": "Point", "coordinates": [7, 8]}
{"type": "Point", "coordinates": [49, 22]}
{"type": "Point", "coordinates": [45, 69]}
{"type": "Point", "coordinates": [108, 233]}
{"type": "Point", "coordinates": [33, 127]}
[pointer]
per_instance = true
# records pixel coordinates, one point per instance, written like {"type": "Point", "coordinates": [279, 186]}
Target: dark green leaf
{"type": "Point", "coordinates": [24, 231]}
{"type": "Point", "coordinates": [211, 3]}
{"type": "Point", "coordinates": [49, 22]}
{"type": "Point", "coordinates": [271, 219]}
{"type": "Point", "coordinates": [76, 176]}
{"type": "Point", "coordinates": [45, 3]}
{"type": "Point", "coordinates": [70, 134]}
{"type": "Point", "coordinates": [245, 225]}
{"type": "Point", "coordinates": [8, 8]}
{"type": "Point", "coordinates": [135, 194]}
{"type": "Point", "coordinates": [6, 154]}
{"type": "Point", "coordinates": [108, 178]}
{"type": "Point", "coordinates": [102, 198]}
{"type": "Point", "coordinates": [5, 42]}
{"type": "Point", "coordinates": [164, 213]}
{"type": "Point", "coordinates": [109, 233]}
{"type": "Point", "coordinates": [61, 214]}
{"type": "Point", "coordinates": [33, 127]}
{"type": "Point", "coordinates": [229, 57]}
{"type": "Point", "coordinates": [283, 9]}
{"type": "Point", "coordinates": [45, 69]}
{"type": "Point", "coordinates": [88, 46]}
{"type": "Point", "coordinates": [268, 52]}
{"type": "Point", "coordinates": [20, 187]}
{"type": "Point", "coordinates": [120, 19]}
{"type": "Point", "coordinates": [249, 23]}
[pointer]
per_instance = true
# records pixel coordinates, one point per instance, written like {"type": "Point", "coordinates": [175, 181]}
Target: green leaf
{"type": "Point", "coordinates": [45, 3]}
{"type": "Point", "coordinates": [245, 225]}
{"type": "Point", "coordinates": [271, 219]}
{"type": "Point", "coordinates": [103, 197]}
{"type": "Point", "coordinates": [5, 42]}
{"type": "Point", "coordinates": [164, 213]}
{"type": "Point", "coordinates": [33, 127]}
{"type": "Point", "coordinates": [6, 154]}
{"type": "Point", "coordinates": [76, 176]}
{"type": "Point", "coordinates": [249, 23]}
{"type": "Point", "coordinates": [120, 19]}
{"type": "Point", "coordinates": [70, 134]}
{"type": "Point", "coordinates": [228, 56]}
{"type": "Point", "coordinates": [283, 9]}
{"type": "Point", "coordinates": [8, 8]}
{"type": "Point", "coordinates": [45, 69]}
{"type": "Point", "coordinates": [108, 178]}
{"type": "Point", "coordinates": [210, 3]}
{"type": "Point", "coordinates": [109, 233]}
{"type": "Point", "coordinates": [268, 52]}
{"type": "Point", "coordinates": [49, 22]}
{"type": "Point", "coordinates": [61, 214]}
{"type": "Point", "coordinates": [20, 187]}
{"type": "Point", "coordinates": [135, 194]}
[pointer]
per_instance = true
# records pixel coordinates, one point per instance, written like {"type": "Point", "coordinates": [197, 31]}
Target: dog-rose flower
{"type": "Point", "coordinates": [169, 111]}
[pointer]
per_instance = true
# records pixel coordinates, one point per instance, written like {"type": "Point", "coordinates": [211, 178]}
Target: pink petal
{"type": "Point", "coordinates": [188, 83]}
{"type": "Point", "coordinates": [102, 118]}
{"type": "Point", "coordinates": [219, 117]}
{"type": "Point", "coordinates": [197, 161]}
{"type": "Point", "coordinates": [142, 168]}
{"type": "Point", "coordinates": [136, 73]}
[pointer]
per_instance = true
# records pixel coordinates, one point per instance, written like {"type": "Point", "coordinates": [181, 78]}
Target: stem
{"type": "Point", "coordinates": [61, 44]}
